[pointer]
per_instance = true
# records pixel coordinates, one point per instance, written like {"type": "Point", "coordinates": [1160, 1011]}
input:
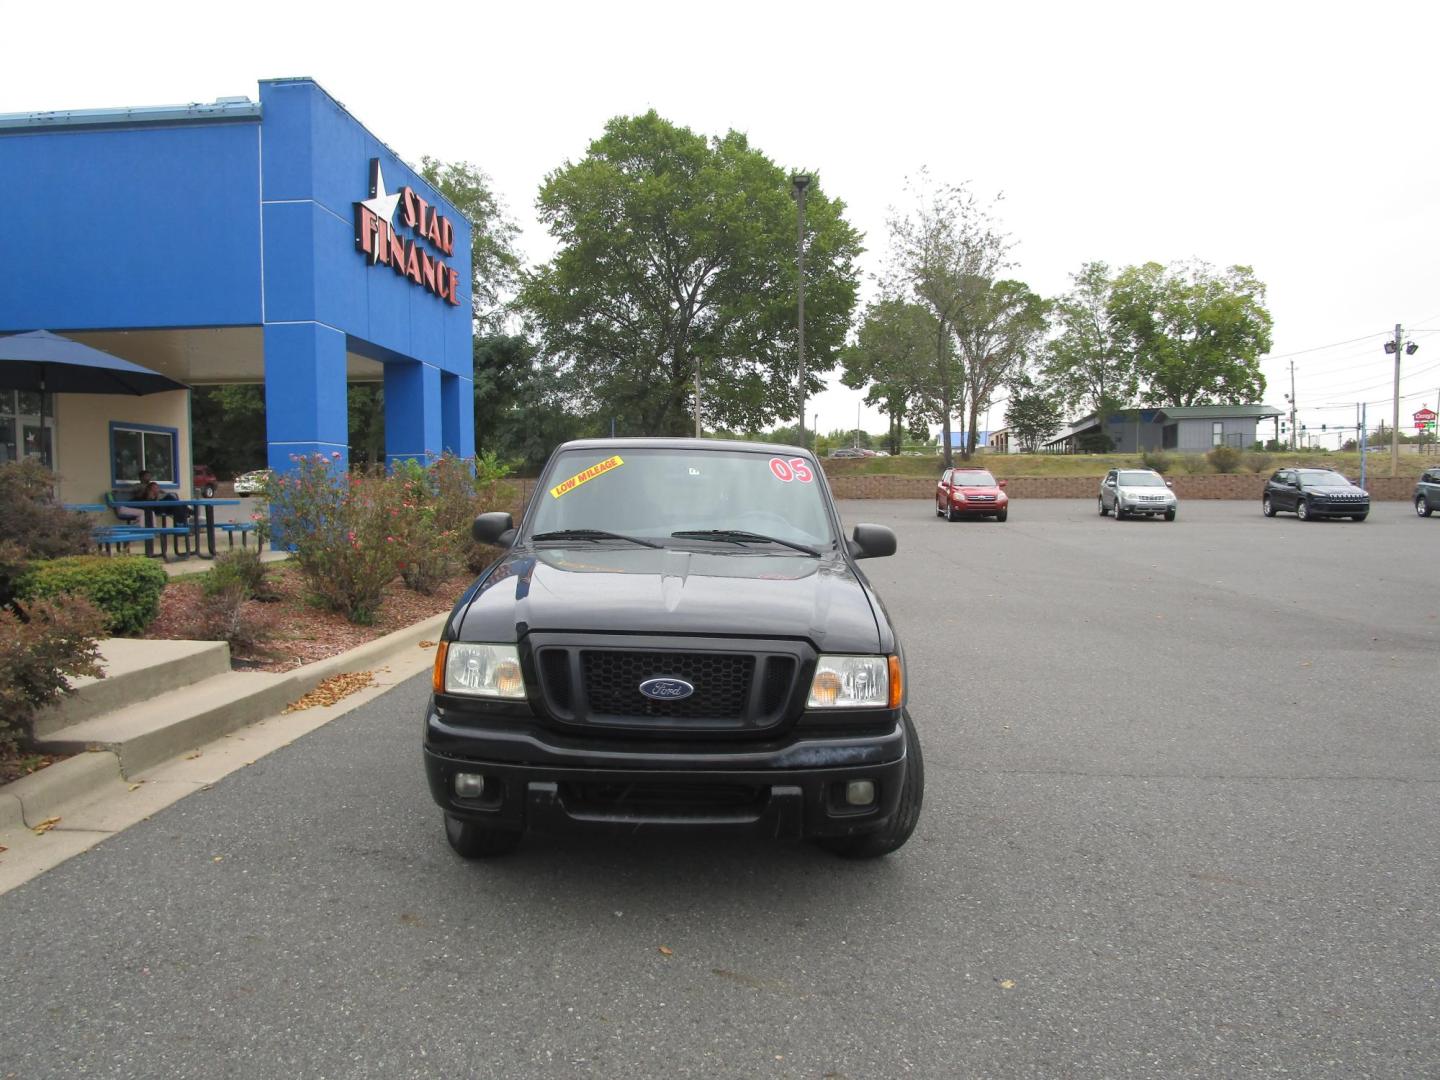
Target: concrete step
{"type": "Point", "coordinates": [135, 671]}
{"type": "Point", "coordinates": [148, 732]}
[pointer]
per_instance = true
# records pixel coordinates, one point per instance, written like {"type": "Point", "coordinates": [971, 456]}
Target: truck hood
{"type": "Point", "coordinates": [588, 588]}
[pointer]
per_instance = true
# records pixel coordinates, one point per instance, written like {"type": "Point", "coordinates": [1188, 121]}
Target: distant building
{"type": "Point", "coordinates": [1184, 429]}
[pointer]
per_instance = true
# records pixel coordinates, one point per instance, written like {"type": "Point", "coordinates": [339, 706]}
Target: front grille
{"type": "Point", "coordinates": [751, 687]}
{"type": "Point", "coordinates": [979, 498]}
{"type": "Point", "coordinates": [613, 678]}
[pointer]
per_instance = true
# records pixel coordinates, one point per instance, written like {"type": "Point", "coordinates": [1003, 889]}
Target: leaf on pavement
{"type": "Point", "coordinates": [428, 644]}
{"type": "Point", "coordinates": [1007, 984]}
{"type": "Point", "coordinates": [136, 787]}
{"type": "Point", "coordinates": [45, 826]}
{"type": "Point", "coordinates": [665, 950]}
{"type": "Point", "coordinates": [332, 690]}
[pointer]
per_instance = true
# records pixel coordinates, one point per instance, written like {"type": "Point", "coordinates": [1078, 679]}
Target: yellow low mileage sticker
{"type": "Point", "coordinates": [584, 477]}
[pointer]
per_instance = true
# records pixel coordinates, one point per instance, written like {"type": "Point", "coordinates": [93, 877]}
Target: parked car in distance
{"type": "Point", "coordinates": [846, 452]}
{"type": "Point", "coordinates": [1137, 493]}
{"type": "Point", "coordinates": [252, 482]}
{"type": "Point", "coordinates": [1427, 492]}
{"type": "Point", "coordinates": [1314, 493]}
{"type": "Point", "coordinates": [205, 482]}
{"type": "Point", "coordinates": [970, 493]}
{"type": "Point", "coordinates": [677, 636]}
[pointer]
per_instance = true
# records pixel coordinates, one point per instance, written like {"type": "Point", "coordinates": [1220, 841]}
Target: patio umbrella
{"type": "Point", "coordinates": [51, 364]}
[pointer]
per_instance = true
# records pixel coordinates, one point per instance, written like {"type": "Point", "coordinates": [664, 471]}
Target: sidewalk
{"type": "Point", "coordinates": [192, 721]}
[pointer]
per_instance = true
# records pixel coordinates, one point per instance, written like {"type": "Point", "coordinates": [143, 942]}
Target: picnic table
{"type": "Point", "coordinates": [198, 507]}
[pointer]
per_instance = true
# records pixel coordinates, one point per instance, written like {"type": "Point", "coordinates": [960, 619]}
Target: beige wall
{"type": "Point", "coordinates": [82, 437]}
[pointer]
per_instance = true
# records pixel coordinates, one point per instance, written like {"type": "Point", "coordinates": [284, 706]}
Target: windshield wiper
{"type": "Point", "coordinates": [740, 536]}
{"type": "Point", "coordinates": [592, 534]}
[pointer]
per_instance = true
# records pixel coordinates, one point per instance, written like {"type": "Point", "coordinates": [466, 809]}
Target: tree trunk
{"type": "Point", "coordinates": [945, 394]}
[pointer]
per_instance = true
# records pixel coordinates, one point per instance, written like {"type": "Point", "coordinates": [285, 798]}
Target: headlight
{"type": "Point", "coordinates": [856, 682]}
{"type": "Point", "coordinates": [483, 670]}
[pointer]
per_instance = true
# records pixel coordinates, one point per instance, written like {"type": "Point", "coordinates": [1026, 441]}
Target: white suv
{"type": "Point", "coordinates": [1137, 493]}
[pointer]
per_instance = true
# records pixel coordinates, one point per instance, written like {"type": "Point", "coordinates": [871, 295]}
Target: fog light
{"type": "Point", "coordinates": [860, 792]}
{"type": "Point", "coordinates": [469, 785]}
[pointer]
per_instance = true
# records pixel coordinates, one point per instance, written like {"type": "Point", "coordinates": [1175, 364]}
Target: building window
{"type": "Point", "coordinates": [27, 427]}
{"type": "Point", "coordinates": [137, 448]}
{"type": "Point", "coordinates": [1217, 433]}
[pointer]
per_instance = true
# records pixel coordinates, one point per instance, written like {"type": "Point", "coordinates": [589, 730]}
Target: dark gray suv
{"type": "Point", "coordinates": [1427, 492]}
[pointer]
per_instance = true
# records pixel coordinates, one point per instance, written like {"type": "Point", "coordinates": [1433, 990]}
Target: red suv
{"type": "Point", "coordinates": [205, 482]}
{"type": "Point", "coordinates": [971, 493]}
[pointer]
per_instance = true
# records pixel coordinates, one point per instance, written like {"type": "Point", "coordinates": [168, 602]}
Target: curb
{"type": "Point", "coordinates": [79, 780]}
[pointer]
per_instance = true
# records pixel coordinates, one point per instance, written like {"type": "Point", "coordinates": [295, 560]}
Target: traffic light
{"type": "Point", "coordinates": [1323, 427]}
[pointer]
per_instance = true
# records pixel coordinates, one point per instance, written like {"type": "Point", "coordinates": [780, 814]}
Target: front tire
{"type": "Point", "coordinates": [1302, 510]}
{"type": "Point", "coordinates": [471, 840]}
{"type": "Point", "coordinates": [1169, 515]}
{"type": "Point", "coordinates": [1422, 508]}
{"type": "Point", "coordinates": [893, 836]}
{"type": "Point", "coordinates": [208, 491]}
{"type": "Point", "coordinates": [950, 514]}
{"type": "Point", "coordinates": [1002, 515]}
{"type": "Point", "coordinates": [1359, 517]}
{"type": "Point", "coordinates": [1267, 507]}
{"type": "Point", "coordinates": [1119, 514]}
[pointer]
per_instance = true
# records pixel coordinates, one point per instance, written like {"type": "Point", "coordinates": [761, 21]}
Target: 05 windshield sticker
{"type": "Point", "coordinates": [600, 469]}
{"type": "Point", "coordinates": [794, 469]}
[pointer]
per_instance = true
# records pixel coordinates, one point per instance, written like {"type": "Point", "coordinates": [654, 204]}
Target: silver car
{"type": "Point", "coordinates": [251, 483]}
{"type": "Point", "coordinates": [1137, 493]}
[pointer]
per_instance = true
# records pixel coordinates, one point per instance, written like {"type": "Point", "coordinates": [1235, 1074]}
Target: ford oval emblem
{"type": "Point", "coordinates": [666, 689]}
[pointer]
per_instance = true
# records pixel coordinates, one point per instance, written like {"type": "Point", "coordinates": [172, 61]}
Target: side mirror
{"type": "Point", "coordinates": [1169, 483]}
{"type": "Point", "coordinates": [496, 527]}
{"type": "Point", "coordinates": [1002, 483]}
{"type": "Point", "coordinates": [872, 542]}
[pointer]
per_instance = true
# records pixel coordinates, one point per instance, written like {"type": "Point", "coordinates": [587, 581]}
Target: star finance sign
{"type": "Point", "coordinates": [378, 239]}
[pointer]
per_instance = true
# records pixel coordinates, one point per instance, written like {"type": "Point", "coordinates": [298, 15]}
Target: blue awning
{"type": "Point", "coordinates": [45, 362]}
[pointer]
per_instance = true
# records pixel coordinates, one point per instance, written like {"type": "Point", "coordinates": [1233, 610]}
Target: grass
{"type": "Point", "coordinates": [1098, 464]}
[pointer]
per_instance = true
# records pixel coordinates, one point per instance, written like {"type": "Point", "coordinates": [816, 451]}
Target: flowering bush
{"type": "Point", "coordinates": [342, 530]}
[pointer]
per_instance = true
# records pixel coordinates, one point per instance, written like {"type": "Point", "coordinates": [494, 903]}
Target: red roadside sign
{"type": "Point", "coordinates": [1425, 418]}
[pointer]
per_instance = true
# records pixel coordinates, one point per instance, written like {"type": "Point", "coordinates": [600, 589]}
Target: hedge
{"type": "Point", "coordinates": [126, 588]}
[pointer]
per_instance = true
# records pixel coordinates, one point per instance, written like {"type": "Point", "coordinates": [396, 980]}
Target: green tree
{"type": "Point", "coordinates": [1194, 334]}
{"type": "Point", "coordinates": [997, 327]}
{"type": "Point", "coordinates": [1034, 413]}
{"type": "Point", "coordinates": [228, 427]}
{"type": "Point", "coordinates": [518, 417]}
{"type": "Point", "coordinates": [493, 262]}
{"type": "Point", "coordinates": [1086, 362]}
{"type": "Point", "coordinates": [677, 251]}
{"type": "Point", "coordinates": [893, 358]}
{"type": "Point", "coordinates": [944, 252]}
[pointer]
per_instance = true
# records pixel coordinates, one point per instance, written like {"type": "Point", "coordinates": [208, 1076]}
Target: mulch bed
{"type": "Point", "coordinates": [302, 633]}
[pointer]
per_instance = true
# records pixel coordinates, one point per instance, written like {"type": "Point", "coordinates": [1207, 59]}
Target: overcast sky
{"type": "Point", "coordinates": [1300, 140]}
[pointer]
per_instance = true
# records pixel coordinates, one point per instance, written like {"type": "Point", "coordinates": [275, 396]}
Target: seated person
{"type": "Point", "coordinates": [148, 490]}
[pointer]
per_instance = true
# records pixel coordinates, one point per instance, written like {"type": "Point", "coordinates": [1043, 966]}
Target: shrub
{"type": "Point", "coordinates": [37, 652]}
{"type": "Point", "coordinates": [1257, 463]}
{"type": "Point", "coordinates": [342, 532]}
{"type": "Point", "coordinates": [1224, 459]}
{"type": "Point", "coordinates": [1194, 463]}
{"type": "Point", "coordinates": [1157, 460]}
{"type": "Point", "coordinates": [226, 617]}
{"type": "Point", "coordinates": [41, 527]}
{"type": "Point", "coordinates": [240, 567]}
{"type": "Point", "coordinates": [126, 588]}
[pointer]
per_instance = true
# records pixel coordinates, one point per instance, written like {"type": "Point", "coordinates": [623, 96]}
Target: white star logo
{"type": "Point", "coordinates": [379, 203]}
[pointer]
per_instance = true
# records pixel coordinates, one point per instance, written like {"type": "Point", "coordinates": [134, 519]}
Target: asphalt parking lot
{"type": "Point", "coordinates": [1180, 821]}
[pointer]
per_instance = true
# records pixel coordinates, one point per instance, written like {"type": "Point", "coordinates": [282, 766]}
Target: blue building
{"type": "Point", "coordinates": [275, 241]}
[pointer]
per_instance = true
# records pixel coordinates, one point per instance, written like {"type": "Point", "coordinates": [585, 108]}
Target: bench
{"type": "Point", "coordinates": [230, 528]}
{"type": "Point", "coordinates": [108, 537]}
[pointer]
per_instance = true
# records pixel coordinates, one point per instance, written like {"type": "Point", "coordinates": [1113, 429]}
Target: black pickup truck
{"type": "Point", "coordinates": [677, 636]}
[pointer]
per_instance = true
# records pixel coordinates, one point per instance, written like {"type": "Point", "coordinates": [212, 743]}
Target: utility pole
{"type": "Point", "coordinates": [1292, 406]}
{"type": "Point", "coordinates": [1395, 419]}
{"type": "Point", "coordinates": [801, 181]}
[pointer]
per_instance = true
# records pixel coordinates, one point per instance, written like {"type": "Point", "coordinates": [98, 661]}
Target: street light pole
{"type": "Point", "coordinates": [800, 181]}
{"type": "Point", "coordinates": [1397, 346]}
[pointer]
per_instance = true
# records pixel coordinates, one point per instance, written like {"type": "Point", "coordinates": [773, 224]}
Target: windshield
{"type": "Point", "coordinates": [1140, 479]}
{"type": "Point", "coordinates": [1314, 478]}
{"type": "Point", "coordinates": [652, 493]}
{"type": "Point", "coordinates": [974, 479]}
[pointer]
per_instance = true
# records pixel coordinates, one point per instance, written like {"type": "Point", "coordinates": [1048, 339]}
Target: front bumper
{"type": "Point", "coordinates": [1338, 508]}
{"type": "Point", "coordinates": [790, 788]}
{"type": "Point", "coordinates": [1146, 507]}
